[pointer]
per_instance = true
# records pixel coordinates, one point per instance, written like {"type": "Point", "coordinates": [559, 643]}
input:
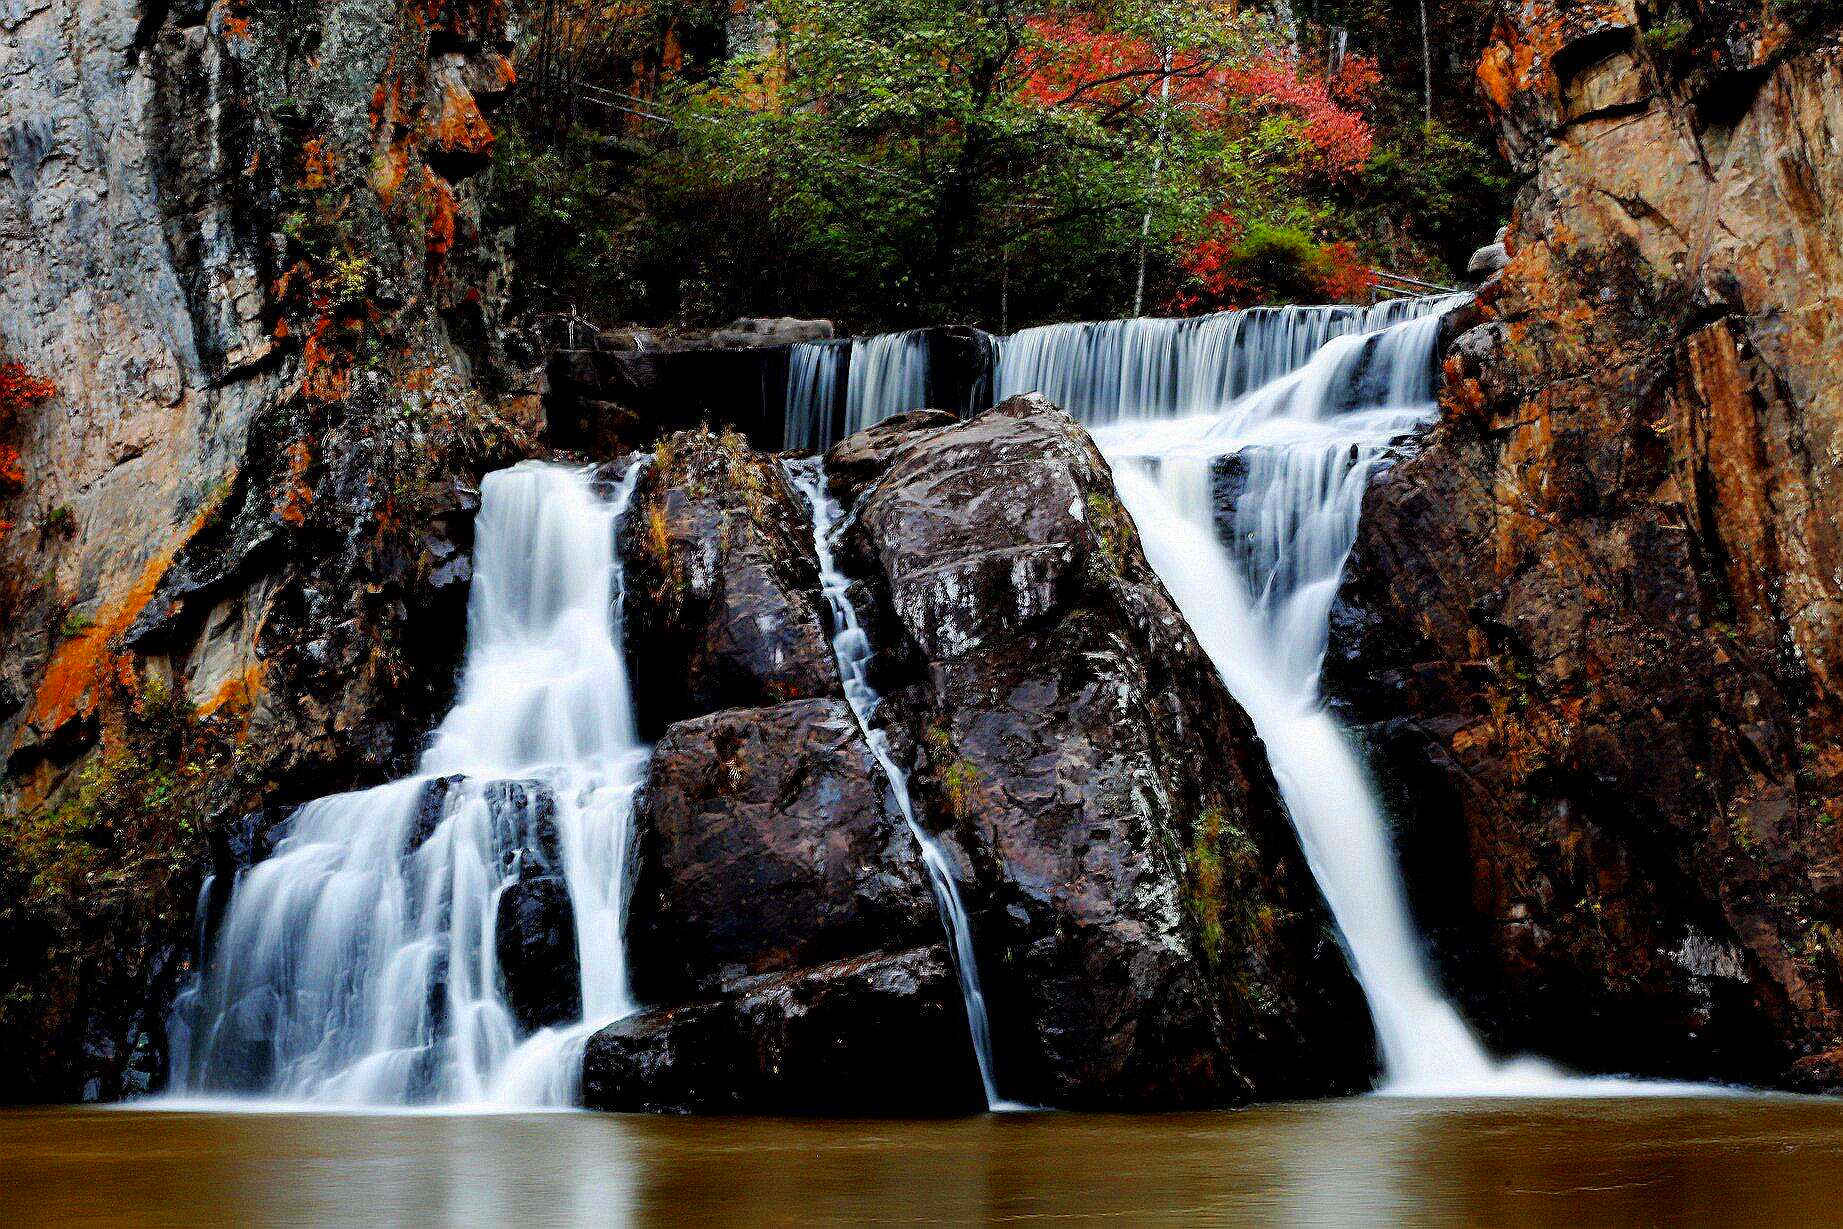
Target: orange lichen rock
{"type": "Point", "coordinates": [70, 688]}
{"type": "Point", "coordinates": [459, 130]}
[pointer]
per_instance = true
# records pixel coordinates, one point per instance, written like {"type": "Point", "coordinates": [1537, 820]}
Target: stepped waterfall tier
{"type": "Point", "coordinates": [1242, 444]}
{"type": "Point", "coordinates": [454, 937]}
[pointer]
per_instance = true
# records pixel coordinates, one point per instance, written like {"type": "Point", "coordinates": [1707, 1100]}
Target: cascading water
{"type": "Point", "coordinates": [1305, 444]}
{"type": "Point", "coordinates": [888, 375]}
{"type": "Point", "coordinates": [1287, 412]}
{"type": "Point", "coordinates": [360, 964]}
{"type": "Point", "coordinates": [814, 370]}
{"type": "Point", "coordinates": [851, 646]}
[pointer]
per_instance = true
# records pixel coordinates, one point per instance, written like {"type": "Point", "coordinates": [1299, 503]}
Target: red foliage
{"type": "Point", "coordinates": [1338, 137]}
{"type": "Point", "coordinates": [20, 391]}
{"type": "Point", "coordinates": [1081, 64]}
{"type": "Point", "coordinates": [1348, 279]}
{"type": "Point", "coordinates": [1209, 259]}
{"type": "Point", "coordinates": [1220, 275]}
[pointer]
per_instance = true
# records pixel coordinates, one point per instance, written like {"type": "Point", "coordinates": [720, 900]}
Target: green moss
{"type": "Point", "coordinates": [1111, 527]}
{"type": "Point", "coordinates": [76, 622]}
{"type": "Point", "coordinates": [958, 781]}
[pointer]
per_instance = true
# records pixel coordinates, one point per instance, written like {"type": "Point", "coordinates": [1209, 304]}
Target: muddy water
{"type": "Point", "coordinates": [1368, 1161]}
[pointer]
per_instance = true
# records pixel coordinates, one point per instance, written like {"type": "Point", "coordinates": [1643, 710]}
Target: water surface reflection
{"type": "Point", "coordinates": [1643, 1161]}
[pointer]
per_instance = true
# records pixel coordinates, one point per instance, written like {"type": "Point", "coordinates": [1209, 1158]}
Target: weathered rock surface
{"type": "Point", "coordinates": [882, 1034]}
{"type": "Point", "coordinates": [769, 842]}
{"type": "Point", "coordinates": [722, 607]}
{"type": "Point", "coordinates": [1147, 930]}
{"type": "Point", "coordinates": [247, 253]}
{"type": "Point", "coordinates": [1593, 626]}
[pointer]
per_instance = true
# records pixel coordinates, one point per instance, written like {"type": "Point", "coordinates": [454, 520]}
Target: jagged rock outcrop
{"type": "Point", "coordinates": [863, 1035]}
{"type": "Point", "coordinates": [723, 607]}
{"type": "Point", "coordinates": [1147, 930]}
{"type": "Point", "coordinates": [781, 918]}
{"type": "Point", "coordinates": [245, 249]}
{"type": "Point", "coordinates": [1592, 627]}
{"type": "Point", "coordinates": [769, 841]}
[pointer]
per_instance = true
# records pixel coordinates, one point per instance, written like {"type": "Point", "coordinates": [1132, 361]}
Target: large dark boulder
{"type": "Point", "coordinates": [722, 585]}
{"type": "Point", "coordinates": [882, 1034]}
{"type": "Point", "coordinates": [770, 841]}
{"type": "Point", "coordinates": [1146, 927]}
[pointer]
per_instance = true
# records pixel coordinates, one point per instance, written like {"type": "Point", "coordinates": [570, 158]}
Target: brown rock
{"type": "Point", "coordinates": [1147, 931]}
{"type": "Point", "coordinates": [770, 841]}
{"type": "Point", "coordinates": [1593, 627]}
{"type": "Point", "coordinates": [722, 592]}
{"type": "Point", "coordinates": [883, 1034]}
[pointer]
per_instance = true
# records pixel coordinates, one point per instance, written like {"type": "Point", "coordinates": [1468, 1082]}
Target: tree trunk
{"type": "Point", "coordinates": [1158, 166]}
{"type": "Point", "coordinates": [1426, 70]}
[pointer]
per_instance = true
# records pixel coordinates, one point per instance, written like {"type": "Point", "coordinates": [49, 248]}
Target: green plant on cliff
{"type": "Point", "coordinates": [98, 888]}
{"type": "Point", "coordinates": [1222, 889]}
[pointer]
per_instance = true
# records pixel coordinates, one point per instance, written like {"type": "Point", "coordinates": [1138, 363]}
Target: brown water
{"type": "Point", "coordinates": [1369, 1161]}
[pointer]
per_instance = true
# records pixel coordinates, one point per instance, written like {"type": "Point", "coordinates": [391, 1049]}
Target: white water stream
{"type": "Point", "coordinates": [359, 964]}
{"type": "Point", "coordinates": [852, 648]}
{"type": "Point", "coordinates": [1242, 444]}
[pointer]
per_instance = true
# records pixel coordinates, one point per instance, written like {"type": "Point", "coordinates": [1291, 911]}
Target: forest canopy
{"type": "Point", "coordinates": [997, 162]}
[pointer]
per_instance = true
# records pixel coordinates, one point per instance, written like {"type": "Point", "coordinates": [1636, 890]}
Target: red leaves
{"type": "Point", "coordinates": [1338, 137]}
{"type": "Point", "coordinates": [20, 391]}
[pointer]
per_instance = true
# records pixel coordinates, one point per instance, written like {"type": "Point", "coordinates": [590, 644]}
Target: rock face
{"type": "Point", "coordinates": [1146, 927]}
{"type": "Point", "coordinates": [781, 916]}
{"type": "Point", "coordinates": [246, 252]}
{"type": "Point", "coordinates": [770, 842]}
{"type": "Point", "coordinates": [723, 609]}
{"type": "Point", "coordinates": [1593, 626]}
{"type": "Point", "coordinates": [864, 1035]}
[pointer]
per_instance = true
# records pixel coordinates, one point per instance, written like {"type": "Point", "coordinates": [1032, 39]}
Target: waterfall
{"type": "Point", "coordinates": [851, 646]}
{"type": "Point", "coordinates": [814, 369]}
{"type": "Point", "coordinates": [1242, 444]}
{"type": "Point", "coordinates": [1305, 443]}
{"type": "Point", "coordinates": [361, 963]}
{"type": "Point", "coordinates": [888, 375]}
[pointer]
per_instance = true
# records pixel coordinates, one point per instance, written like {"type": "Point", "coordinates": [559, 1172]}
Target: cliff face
{"type": "Point", "coordinates": [1592, 625]}
{"type": "Point", "coordinates": [1144, 927]}
{"type": "Point", "coordinates": [242, 244]}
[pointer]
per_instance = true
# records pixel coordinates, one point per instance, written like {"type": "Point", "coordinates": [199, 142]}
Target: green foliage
{"type": "Point", "coordinates": [1441, 186]}
{"type": "Point", "coordinates": [1670, 37]}
{"type": "Point", "coordinates": [1284, 259]}
{"type": "Point", "coordinates": [890, 162]}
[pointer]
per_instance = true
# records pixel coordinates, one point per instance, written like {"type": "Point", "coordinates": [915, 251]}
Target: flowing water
{"type": "Point", "coordinates": [851, 646]}
{"type": "Point", "coordinates": [360, 963]}
{"type": "Point", "coordinates": [1367, 1161]}
{"type": "Point", "coordinates": [1242, 444]}
{"type": "Point", "coordinates": [887, 375]}
{"type": "Point", "coordinates": [815, 377]}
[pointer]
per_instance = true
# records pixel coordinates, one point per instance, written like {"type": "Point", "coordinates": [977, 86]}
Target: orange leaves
{"type": "Point", "coordinates": [317, 164]}
{"type": "Point", "coordinates": [20, 391]}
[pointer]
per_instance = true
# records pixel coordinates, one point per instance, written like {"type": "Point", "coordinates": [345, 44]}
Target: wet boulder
{"type": "Point", "coordinates": [722, 585]}
{"type": "Point", "coordinates": [878, 1034]}
{"type": "Point", "coordinates": [1146, 928]}
{"type": "Point", "coordinates": [770, 840]}
{"type": "Point", "coordinates": [534, 931]}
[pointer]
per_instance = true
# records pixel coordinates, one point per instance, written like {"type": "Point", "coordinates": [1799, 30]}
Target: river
{"type": "Point", "coordinates": [1370, 1160]}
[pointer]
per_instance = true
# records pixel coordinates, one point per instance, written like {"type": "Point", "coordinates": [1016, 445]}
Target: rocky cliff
{"type": "Point", "coordinates": [244, 248]}
{"type": "Point", "coordinates": [1144, 926]}
{"type": "Point", "coordinates": [1592, 625]}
